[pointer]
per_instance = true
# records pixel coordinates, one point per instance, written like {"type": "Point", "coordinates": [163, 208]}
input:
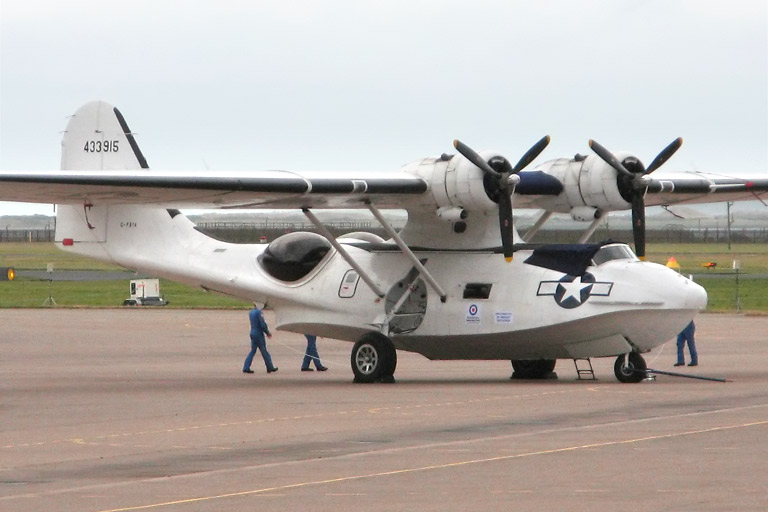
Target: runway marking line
{"type": "Point", "coordinates": [437, 467]}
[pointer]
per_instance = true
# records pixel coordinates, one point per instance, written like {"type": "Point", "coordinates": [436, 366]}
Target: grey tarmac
{"type": "Point", "coordinates": [148, 409]}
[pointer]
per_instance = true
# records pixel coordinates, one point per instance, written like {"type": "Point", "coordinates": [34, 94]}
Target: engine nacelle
{"type": "Point", "coordinates": [587, 182]}
{"type": "Point", "coordinates": [458, 198]}
{"type": "Point", "coordinates": [456, 182]}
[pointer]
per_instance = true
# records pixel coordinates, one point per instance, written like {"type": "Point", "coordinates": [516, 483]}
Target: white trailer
{"type": "Point", "coordinates": [145, 292]}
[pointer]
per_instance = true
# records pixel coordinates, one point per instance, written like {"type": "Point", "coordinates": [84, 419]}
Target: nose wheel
{"type": "Point", "coordinates": [630, 368]}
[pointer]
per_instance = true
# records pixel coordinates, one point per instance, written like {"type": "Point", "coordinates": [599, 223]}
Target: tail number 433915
{"type": "Point", "coordinates": [101, 146]}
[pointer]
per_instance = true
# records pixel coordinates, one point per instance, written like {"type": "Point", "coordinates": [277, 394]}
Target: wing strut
{"type": "Point", "coordinates": [759, 198]}
{"type": "Point", "coordinates": [407, 251]}
{"type": "Point", "coordinates": [343, 252]}
{"type": "Point", "coordinates": [536, 227]}
{"type": "Point", "coordinates": [592, 227]}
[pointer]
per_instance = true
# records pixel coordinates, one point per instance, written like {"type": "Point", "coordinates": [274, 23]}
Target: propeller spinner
{"type": "Point", "coordinates": [500, 172]}
{"type": "Point", "coordinates": [633, 185]}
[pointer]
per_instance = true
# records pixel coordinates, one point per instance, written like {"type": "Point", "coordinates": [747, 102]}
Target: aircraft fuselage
{"type": "Point", "coordinates": [495, 309]}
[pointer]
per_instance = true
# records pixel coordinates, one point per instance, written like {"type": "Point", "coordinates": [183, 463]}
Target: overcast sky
{"type": "Point", "coordinates": [353, 84]}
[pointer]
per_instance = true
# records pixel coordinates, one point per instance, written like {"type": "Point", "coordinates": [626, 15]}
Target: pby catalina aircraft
{"type": "Point", "coordinates": [457, 282]}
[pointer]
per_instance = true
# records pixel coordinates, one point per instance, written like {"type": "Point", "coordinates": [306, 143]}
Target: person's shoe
{"type": "Point", "coordinates": [247, 371]}
{"type": "Point", "coordinates": [679, 364]}
{"type": "Point", "coordinates": [322, 369]}
{"type": "Point", "coordinates": [307, 370]}
{"type": "Point", "coordinates": [693, 364]}
{"type": "Point", "coordinates": [272, 370]}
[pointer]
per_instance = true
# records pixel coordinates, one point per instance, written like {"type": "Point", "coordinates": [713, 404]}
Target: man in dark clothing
{"type": "Point", "coordinates": [687, 335]}
{"type": "Point", "coordinates": [312, 355]}
{"type": "Point", "coordinates": [258, 330]}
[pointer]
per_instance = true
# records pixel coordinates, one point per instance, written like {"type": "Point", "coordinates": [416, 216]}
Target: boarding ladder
{"type": "Point", "coordinates": [585, 371]}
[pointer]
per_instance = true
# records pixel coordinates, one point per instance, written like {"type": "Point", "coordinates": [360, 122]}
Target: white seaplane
{"type": "Point", "coordinates": [457, 282]}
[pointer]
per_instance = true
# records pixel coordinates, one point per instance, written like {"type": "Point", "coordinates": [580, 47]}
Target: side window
{"type": "Point", "coordinates": [349, 284]}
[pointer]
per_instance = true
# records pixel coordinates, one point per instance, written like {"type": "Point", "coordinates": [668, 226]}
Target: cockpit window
{"type": "Point", "coordinates": [613, 252]}
{"type": "Point", "coordinates": [293, 256]}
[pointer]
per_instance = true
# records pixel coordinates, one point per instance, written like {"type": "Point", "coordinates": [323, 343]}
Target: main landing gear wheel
{"type": "Point", "coordinates": [374, 359]}
{"type": "Point", "coordinates": [630, 368]}
{"type": "Point", "coordinates": [533, 369]}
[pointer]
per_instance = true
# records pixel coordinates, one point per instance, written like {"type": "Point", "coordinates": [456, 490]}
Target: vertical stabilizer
{"type": "Point", "coordinates": [149, 238]}
{"type": "Point", "coordinates": [98, 138]}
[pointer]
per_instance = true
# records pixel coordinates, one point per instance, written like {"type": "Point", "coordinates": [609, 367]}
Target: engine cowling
{"type": "Point", "coordinates": [456, 182]}
{"type": "Point", "coordinates": [466, 216]}
{"type": "Point", "coordinates": [588, 182]}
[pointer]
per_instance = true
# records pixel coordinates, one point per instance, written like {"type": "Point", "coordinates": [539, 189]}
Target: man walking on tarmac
{"type": "Point", "coordinates": [258, 329]}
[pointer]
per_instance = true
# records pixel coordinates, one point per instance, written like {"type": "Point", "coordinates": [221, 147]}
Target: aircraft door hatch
{"type": "Point", "coordinates": [406, 303]}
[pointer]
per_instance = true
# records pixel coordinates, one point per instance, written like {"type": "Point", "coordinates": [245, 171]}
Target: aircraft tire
{"type": "Point", "coordinates": [373, 359]}
{"type": "Point", "coordinates": [533, 368]}
{"type": "Point", "coordinates": [390, 359]}
{"type": "Point", "coordinates": [633, 371]}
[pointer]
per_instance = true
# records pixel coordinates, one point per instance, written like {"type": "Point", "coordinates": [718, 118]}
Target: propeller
{"type": "Point", "coordinates": [633, 185]}
{"type": "Point", "coordinates": [497, 180]}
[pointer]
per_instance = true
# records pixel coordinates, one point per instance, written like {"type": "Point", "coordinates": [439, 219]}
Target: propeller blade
{"type": "Point", "coordinates": [531, 155]}
{"type": "Point", "coordinates": [638, 224]}
{"type": "Point", "coordinates": [665, 155]}
{"type": "Point", "coordinates": [473, 157]}
{"type": "Point", "coordinates": [609, 158]}
{"type": "Point", "coordinates": [505, 223]}
{"type": "Point", "coordinates": [638, 185]}
{"type": "Point", "coordinates": [500, 171]}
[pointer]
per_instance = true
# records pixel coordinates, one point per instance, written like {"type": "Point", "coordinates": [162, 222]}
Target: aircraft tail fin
{"type": "Point", "coordinates": [149, 238]}
{"type": "Point", "coordinates": [98, 138]}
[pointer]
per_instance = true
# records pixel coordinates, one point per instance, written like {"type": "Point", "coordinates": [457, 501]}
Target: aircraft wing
{"type": "Point", "coordinates": [102, 164]}
{"type": "Point", "coordinates": [539, 189]}
{"type": "Point", "coordinates": [704, 188]}
{"type": "Point", "coordinates": [213, 189]}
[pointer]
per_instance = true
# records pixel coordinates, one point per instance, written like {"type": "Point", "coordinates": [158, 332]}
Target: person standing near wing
{"type": "Point", "coordinates": [687, 335]}
{"type": "Point", "coordinates": [311, 354]}
{"type": "Point", "coordinates": [258, 329]}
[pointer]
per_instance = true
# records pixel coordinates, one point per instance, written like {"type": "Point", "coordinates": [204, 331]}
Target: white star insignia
{"type": "Point", "coordinates": [573, 289]}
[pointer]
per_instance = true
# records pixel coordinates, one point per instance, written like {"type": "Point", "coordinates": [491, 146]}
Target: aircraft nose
{"type": "Point", "coordinates": [695, 295]}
